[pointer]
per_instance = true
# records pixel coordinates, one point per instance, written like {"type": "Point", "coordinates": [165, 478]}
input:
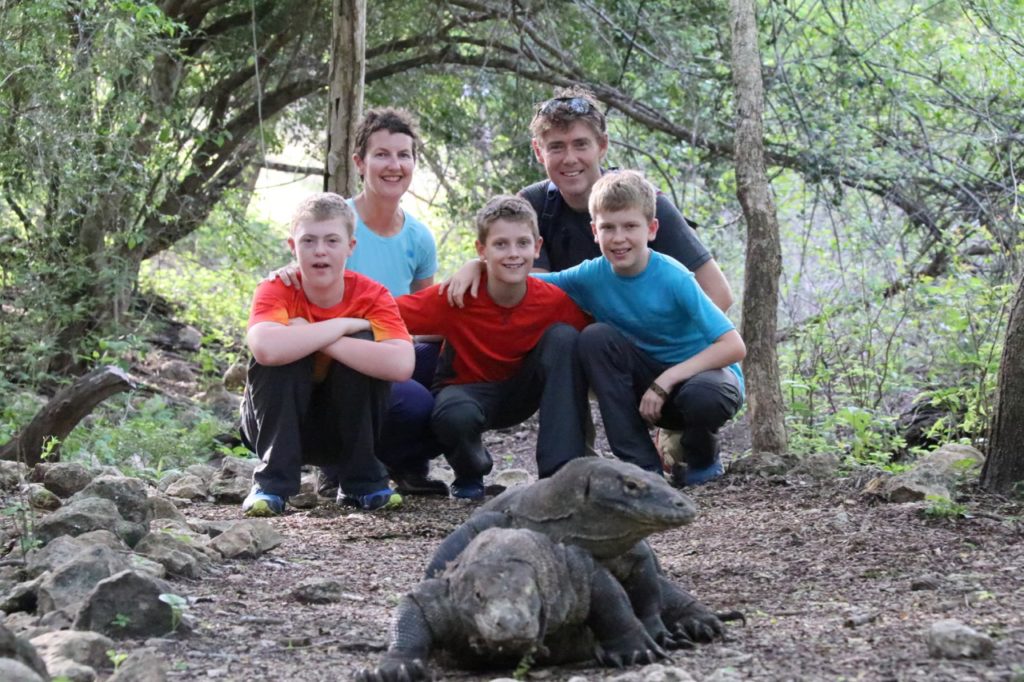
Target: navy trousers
{"type": "Point", "coordinates": [619, 374]}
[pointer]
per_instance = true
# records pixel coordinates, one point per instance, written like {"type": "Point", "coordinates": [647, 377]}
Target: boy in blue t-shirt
{"type": "Point", "coordinates": [661, 352]}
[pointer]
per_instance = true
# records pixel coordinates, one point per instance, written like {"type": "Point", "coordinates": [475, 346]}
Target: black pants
{"type": "Point", "coordinates": [289, 420]}
{"type": "Point", "coordinates": [551, 380]}
{"type": "Point", "coordinates": [619, 374]}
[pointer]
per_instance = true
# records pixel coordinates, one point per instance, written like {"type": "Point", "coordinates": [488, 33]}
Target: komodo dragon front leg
{"type": "Point", "coordinates": [412, 639]}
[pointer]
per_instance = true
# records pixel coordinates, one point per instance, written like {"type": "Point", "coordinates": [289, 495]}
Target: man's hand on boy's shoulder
{"type": "Point", "coordinates": [466, 278]}
{"type": "Point", "coordinates": [289, 276]}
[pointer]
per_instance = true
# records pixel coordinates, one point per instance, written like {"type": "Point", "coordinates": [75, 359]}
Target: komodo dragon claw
{"type": "Point", "coordinates": [395, 671]}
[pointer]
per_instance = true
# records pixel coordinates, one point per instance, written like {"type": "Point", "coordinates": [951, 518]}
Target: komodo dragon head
{"type": "Point", "coordinates": [603, 505]}
{"type": "Point", "coordinates": [499, 595]}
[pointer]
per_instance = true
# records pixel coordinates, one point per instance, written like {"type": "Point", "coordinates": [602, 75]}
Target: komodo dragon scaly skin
{"type": "Point", "coordinates": [514, 593]}
{"type": "Point", "coordinates": [607, 507]}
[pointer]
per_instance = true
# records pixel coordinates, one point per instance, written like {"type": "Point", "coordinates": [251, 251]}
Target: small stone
{"type": "Point", "coordinates": [234, 378]}
{"type": "Point", "coordinates": [64, 479]}
{"type": "Point", "coordinates": [189, 487]}
{"type": "Point", "coordinates": [40, 498]}
{"type": "Point", "coordinates": [511, 478]}
{"type": "Point", "coordinates": [318, 591]}
{"type": "Point", "coordinates": [142, 665]}
{"type": "Point", "coordinates": [952, 639]}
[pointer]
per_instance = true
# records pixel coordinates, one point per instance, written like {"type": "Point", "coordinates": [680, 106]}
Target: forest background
{"type": "Point", "coordinates": [137, 140]}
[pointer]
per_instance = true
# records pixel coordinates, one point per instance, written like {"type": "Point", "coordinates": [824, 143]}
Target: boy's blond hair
{"type": "Point", "coordinates": [324, 206]}
{"type": "Point", "coordinates": [565, 108]}
{"type": "Point", "coordinates": [505, 207]}
{"type": "Point", "coordinates": [622, 191]}
{"type": "Point", "coordinates": [399, 121]}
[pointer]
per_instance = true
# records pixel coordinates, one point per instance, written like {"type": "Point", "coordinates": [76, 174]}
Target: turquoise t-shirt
{"type": "Point", "coordinates": [396, 261]}
{"type": "Point", "coordinates": [662, 310]}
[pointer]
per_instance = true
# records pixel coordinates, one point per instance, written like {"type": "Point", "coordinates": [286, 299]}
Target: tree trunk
{"type": "Point", "coordinates": [764, 252]}
{"type": "Point", "coordinates": [348, 69]}
{"type": "Point", "coordinates": [59, 416]}
{"type": "Point", "coordinates": [1004, 466]}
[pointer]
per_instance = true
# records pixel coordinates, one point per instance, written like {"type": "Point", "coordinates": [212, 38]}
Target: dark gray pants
{"type": "Point", "coordinates": [550, 380]}
{"type": "Point", "coordinates": [289, 420]}
{"type": "Point", "coordinates": [619, 374]}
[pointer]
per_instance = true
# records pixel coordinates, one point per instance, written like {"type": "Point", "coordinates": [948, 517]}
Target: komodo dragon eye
{"type": "Point", "coordinates": [631, 486]}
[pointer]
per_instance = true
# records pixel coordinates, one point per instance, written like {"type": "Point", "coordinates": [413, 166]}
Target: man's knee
{"type": "Point", "coordinates": [598, 341]}
{"type": "Point", "coordinates": [707, 403]}
{"type": "Point", "coordinates": [456, 415]}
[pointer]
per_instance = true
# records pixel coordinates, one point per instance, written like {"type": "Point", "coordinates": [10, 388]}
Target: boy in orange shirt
{"type": "Point", "coordinates": [508, 353]}
{"type": "Point", "coordinates": [322, 359]}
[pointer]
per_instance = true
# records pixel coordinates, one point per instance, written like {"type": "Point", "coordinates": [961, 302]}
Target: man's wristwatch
{"type": "Point", "coordinates": [658, 390]}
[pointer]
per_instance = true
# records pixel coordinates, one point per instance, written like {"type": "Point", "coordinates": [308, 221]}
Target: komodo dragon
{"type": "Point", "coordinates": [514, 594]}
{"type": "Point", "coordinates": [607, 507]}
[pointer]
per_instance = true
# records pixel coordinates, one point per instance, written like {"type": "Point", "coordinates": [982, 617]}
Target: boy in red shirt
{"type": "Point", "coordinates": [507, 353]}
{"type": "Point", "coordinates": [322, 359]}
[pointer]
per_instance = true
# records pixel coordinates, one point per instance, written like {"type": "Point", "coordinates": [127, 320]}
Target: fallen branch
{"type": "Point", "coordinates": [59, 416]}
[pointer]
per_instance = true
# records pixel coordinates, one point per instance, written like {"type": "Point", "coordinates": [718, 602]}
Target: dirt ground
{"type": "Point", "coordinates": [834, 586]}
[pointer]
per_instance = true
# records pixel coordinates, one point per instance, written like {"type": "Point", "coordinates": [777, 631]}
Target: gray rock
{"type": "Point", "coordinates": [952, 639]}
{"type": "Point", "coordinates": [11, 474]}
{"type": "Point", "coordinates": [104, 537]}
{"type": "Point", "coordinates": [307, 497]}
{"type": "Point", "coordinates": [64, 479]}
{"type": "Point", "coordinates": [179, 556]}
{"type": "Point", "coordinates": [247, 540]}
{"type": "Point", "coordinates": [188, 487]}
{"type": "Point", "coordinates": [55, 554]}
{"type": "Point", "coordinates": [935, 475]}
{"type": "Point", "coordinates": [161, 507]}
{"type": "Point", "coordinates": [318, 591]}
{"type": "Point", "coordinates": [66, 669]}
{"type": "Point", "coordinates": [86, 514]}
{"type": "Point", "coordinates": [188, 337]}
{"type": "Point", "coordinates": [146, 566]}
{"type": "Point", "coordinates": [176, 370]}
{"type": "Point", "coordinates": [231, 483]}
{"type": "Point", "coordinates": [128, 605]}
{"type": "Point", "coordinates": [82, 647]}
{"type": "Point", "coordinates": [819, 466]}
{"type": "Point", "coordinates": [234, 379]}
{"type": "Point", "coordinates": [765, 464]}
{"type": "Point", "coordinates": [69, 584]}
{"type": "Point", "coordinates": [129, 494]}
{"type": "Point", "coordinates": [142, 665]}
{"type": "Point", "coordinates": [512, 478]}
{"type": "Point", "coordinates": [210, 528]}
{"type": "Point", "coordinates": [16, 671]}
{"type": "Point", "coordinates": [221, 402]}
{"type": "Point", "coordinates": [19, 650]}
{"type": "Point", "coordinates": [203, 471]}
{"type": "Point", "coordinates": [21, 597]}
{"type": "Point", "coordinates": [40, 498]}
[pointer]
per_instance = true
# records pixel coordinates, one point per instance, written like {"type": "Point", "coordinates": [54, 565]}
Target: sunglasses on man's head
{"type": "Point", "coordinates": [577, 105]}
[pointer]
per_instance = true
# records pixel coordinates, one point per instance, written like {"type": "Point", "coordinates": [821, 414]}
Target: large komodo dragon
{"type": "Point", "coordinates": [514, 593]}
{"type": "Point", "coordinates": [607, 507]}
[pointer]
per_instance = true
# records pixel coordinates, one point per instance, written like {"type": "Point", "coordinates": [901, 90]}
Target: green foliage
{"type": "Point", "coordinates": [117, 657]}
{"type": "Point", "coordinates": [941, 507]}
{"type": "Point", "coordinates": [147, 436]}
{"type": "Point", "coordinates": [178, 606]}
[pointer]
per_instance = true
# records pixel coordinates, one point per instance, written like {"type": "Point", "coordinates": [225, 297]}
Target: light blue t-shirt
{"type": "Point", "coordinates": [396, 261]}
{"type": "Point", "coordinates": [662, 310]}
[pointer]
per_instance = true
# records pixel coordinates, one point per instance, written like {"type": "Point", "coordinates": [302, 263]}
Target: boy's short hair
{"type": "Point", "coordinates": [386, 118]}
{"type": "Point", "coordinates": [621, 191]}
{"type": "Point", "coordinates": [324, 206]}
{"type": "Point", "coordinates": [565, 108]}
{"type": "Point", "coordinates": [505, 207]}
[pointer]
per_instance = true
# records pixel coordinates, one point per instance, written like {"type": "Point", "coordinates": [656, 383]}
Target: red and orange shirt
{"type": "Point", "coordinates": [490, 341]}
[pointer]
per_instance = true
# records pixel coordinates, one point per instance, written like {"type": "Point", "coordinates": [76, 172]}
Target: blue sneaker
{"type": "Point", "coordinates": [705, 475]}
{"type": "Point", "coordinates": [468, 489]}
{"type": "Point", "coordinates": [261, 504]}
{"type": "Point", "coordinates": [385, 499]}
